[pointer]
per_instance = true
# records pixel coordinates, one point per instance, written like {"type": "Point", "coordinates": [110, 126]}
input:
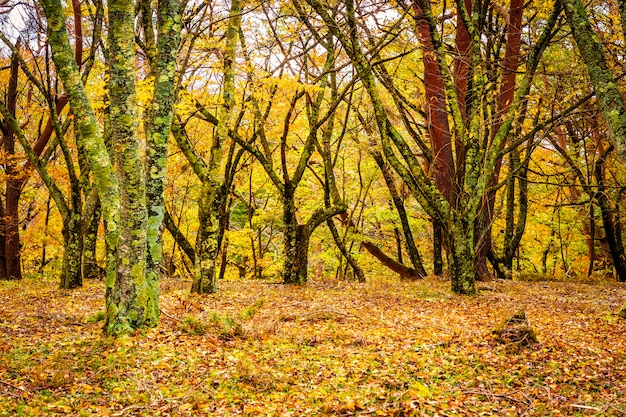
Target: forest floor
{"type": "Point", "coordinates": [258, 348]}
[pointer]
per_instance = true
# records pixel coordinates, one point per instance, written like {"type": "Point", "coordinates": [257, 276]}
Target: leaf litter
{"type": "Point", "coordinates": [330, 348]}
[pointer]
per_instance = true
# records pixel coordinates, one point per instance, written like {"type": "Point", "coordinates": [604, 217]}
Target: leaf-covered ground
{"type": "Point", "coordinates": [258, 348]}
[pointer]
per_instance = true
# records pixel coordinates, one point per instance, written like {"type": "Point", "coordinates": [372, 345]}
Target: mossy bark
{"type": "Point", "coordinates": [158, 126]}
{"type": "Point", "coordinates": [209, 239]}
{"type": "Point", "coordinates": [461, 260]}
{"type": "Point", "coordinates": [131, 301]}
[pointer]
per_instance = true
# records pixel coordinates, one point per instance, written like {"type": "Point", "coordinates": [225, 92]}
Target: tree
{"type": "Point", "coordinates": [478, 161]}
{"type": "Point", "coordinates": [132, 296]}
{"type": "Point", "coordinates": [70, 206]}
{"type": "Point", "coordinates": [319, 123]}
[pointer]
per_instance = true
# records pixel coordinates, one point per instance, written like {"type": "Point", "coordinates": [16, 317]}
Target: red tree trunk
{"type": "Point", "coordinates": [438, 127]}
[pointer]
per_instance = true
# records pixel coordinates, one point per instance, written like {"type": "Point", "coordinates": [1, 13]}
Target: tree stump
{"type": "Point", "coordinates": [516, 331]}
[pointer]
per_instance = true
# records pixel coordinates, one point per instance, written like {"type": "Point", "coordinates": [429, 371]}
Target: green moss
{"type": "Point", "coordinates": [96, 317]}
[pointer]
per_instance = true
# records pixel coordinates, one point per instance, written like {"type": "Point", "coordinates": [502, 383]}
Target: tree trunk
{"type": "Point", "coordinates": [619, 260]}
{"type": "Point", "coordinates": [461, 261]}
{"type": "Point", "coordinates": [158, 129]}
{"type": "Point", "coordinates": [213, 199]}
{"type": "Point", "coordinates": [14, 185]}
{"type": "Point", "coordinates": [297, 257]}
{"type": "Point", "coordinates": [296, 244]}
{"type": "Point", "coordinates": [131, 301]}
{"type": "Point", "coordinates": [437, 248]}
{"type": "Point", "coordinates": [208, 240]}
{"type": "Point", "coordinates": [506, 94]}
{"type": "Point", "coordinates": [92, 142]}
{"type": "Point", "coordinates": [414, 255]}
{"type": "Point", "coordinates": [356, 268]}
{"type": "Point", "coordinates": [71, 272]}
{"type": "Point", "coordinates": [437, 113]}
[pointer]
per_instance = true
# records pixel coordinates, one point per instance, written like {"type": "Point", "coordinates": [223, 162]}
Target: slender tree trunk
{"type": "Point", "coordinates": [14, 184]}
{"type": "Point", "coordinates": [44, 240]}
{"type": "Point", "coordinates": [3, 259]}
{"type": "Point", "coordinates": [437, 248]}
{"type": "Point", "coordinates": [510, 64]}
{"type": "Point", "coordinates": [91, 269]}
{"type": "Point", "coordinates": [619, 259]}
{"type": "Point", "coordinates": [158, 129]}
{"type": "Point", "coordinates": [13, 245]}
{"type": "Point", "coordinates": [414, 255]}
{"type": "Point", "coordinates": [212, 203]}
{"type": "Point", "coordinates": [358, 271]}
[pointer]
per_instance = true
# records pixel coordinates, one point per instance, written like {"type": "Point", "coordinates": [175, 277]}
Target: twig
{"type": "Point", "coordinates": [585, 407]}
{"type": "Point", "coordinates": [169, 316]}
{"type": "Point", "coordinates": [8, 384]}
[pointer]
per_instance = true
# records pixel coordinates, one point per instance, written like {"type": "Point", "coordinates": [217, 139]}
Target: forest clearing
{"type": "Point", "coordinates": [312, 207]}
{"type": "Point", "coordinates": [330, 348]}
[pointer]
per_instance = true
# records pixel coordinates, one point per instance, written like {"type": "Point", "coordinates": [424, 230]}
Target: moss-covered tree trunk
{"type": "Point", "coordinates": [212, 202]}
{"type": "Point", "coordinates": [92, 142]}
{"type": "Point", "coordinates": [461, 259]}
{"type": "Point", "coordinates": [209, 238]}
{"type": "Point", "coordinates": [158, 128]}
{"type": "Point", "coordinates": [131, 301]}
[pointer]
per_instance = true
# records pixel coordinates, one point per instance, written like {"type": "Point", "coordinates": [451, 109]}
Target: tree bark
{"type": "Point", "coordinates": [131, 301]}
{"type": "Point", "coordinates": [158, 127]}
{"type": "Point", "coordinates": [71, 272]}
{"type": "Point", "coordinates": [437, 113]}
{"type": "Point", "coordinates": [91, 220]}
{"type": "Point", "coordinates": [92, 142]}
{"type": "Point", "coordinates": [505, 97]}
